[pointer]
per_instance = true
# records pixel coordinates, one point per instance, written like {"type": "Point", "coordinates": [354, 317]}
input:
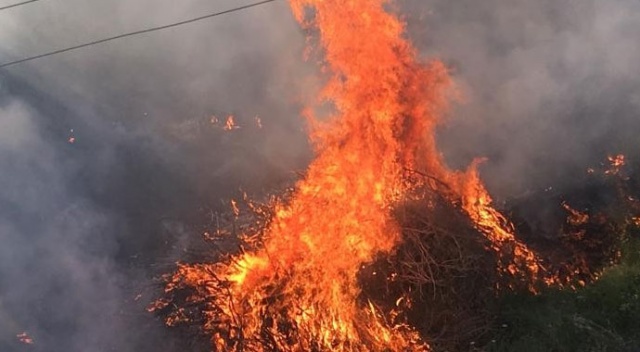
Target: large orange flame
{"type": "Point", "coordinates": [339, 216]}
{"type": "Point", "coordinates": [386, 107]}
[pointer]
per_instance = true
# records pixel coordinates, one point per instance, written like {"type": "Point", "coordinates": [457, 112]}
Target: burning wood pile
{"type": "Point", "coordinates": [441, 283]}
{"type": "Point", "coordinates": [380, 247]}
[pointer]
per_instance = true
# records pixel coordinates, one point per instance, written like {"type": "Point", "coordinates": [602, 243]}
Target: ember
{"type": "Point", "coordinates": [24, 338]}
{"type": "Point", "coordinates": [230, 124]}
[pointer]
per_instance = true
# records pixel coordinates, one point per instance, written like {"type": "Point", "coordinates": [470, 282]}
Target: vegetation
{"type": "Point", "coordinates": [604, 316]}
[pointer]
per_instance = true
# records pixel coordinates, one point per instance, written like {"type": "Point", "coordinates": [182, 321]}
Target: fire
{"type": "Point", "coordinates": [298, 290]}
{"type": "Point", "coordinates": [576, 217]}
{"type": "Point", "coordinates": [616, 162]}
{"type": "Point", "coordinates": [230, 124]}
{"type": "Point", "coordinates": [339, 216]}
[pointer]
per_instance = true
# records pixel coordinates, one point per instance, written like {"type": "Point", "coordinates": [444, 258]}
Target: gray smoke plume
{"type": "Point", "coordinates": [111, 158]}
{"type": "Point", "coordinates": [550, 87]}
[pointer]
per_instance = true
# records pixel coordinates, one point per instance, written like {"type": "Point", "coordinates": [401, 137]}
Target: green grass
{"type": "Point", "coordinates": [604, 316]}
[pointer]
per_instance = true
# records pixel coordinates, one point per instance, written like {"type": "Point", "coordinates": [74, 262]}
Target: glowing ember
{"type": "Point", "coordinates": [575, 217]}
{"type": "Point", "coordinates": [230, 124]}
{"type": "Point", "coordinates": [24, 338]}
{"type": "Point", "coordinates": [616, 163]}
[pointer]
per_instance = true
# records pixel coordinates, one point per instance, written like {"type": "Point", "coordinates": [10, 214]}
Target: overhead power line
{"type": "Point", "coordinates": [130, 34]}
{"type": "Point", "coordinates": [18, 4]}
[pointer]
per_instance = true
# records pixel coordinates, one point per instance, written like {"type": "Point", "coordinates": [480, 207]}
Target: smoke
{"type": "Point", "coordinates": [549, 89]}
{"type": "Point", "coordinates": [49, 268]}
{"type": "Point", "coordinates": [111, 158]}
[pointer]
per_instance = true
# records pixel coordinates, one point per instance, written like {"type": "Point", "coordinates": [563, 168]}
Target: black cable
{"type": "Point", "coordinates": [143, 31]}
{"type": "Point", "coordinates": [18, 4]}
